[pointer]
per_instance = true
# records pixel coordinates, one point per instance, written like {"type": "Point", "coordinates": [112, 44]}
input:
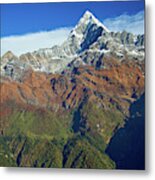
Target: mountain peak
{"type": "Point", "coordinates": [8, 55]}
{"type": "Point", "coordinates": [86, 32]}
{"type": "Point", "coordinates": [88, 18]}
{"type": "Point", "coordinates": [88, 28]}
{"type": "Point", "coordinates": [88, 14]}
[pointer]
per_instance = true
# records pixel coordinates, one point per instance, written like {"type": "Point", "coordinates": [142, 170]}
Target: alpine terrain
{"type": "Point", "coordinates": [62, 106]}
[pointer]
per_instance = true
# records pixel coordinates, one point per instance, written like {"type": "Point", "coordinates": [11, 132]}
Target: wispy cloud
{"type": "Point", "coordinates": [130, 23]}
{"type": "Point", "coordinates": [34, 41]}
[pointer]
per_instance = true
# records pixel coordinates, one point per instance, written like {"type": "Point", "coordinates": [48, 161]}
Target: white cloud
{"type": "Point", "coordinates": [33, 41]}
{"type": "Point", "coordinates": [130, 23]}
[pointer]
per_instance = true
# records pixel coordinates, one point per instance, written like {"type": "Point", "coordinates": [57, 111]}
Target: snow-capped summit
{"type": "Point", "coordinates": [88, 19]}
{"type": "Point", "coordinates": [86, 32]}
{"type": "Point", "coordinates": [9, 55]}
{"type": "Point", "coordinates": [85, 23]}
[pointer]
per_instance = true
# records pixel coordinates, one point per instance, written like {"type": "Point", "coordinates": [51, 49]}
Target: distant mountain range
{"type": "Point", "coordinates": [61, 106]}
{"type": "Point", "coordinates": [89, 40]}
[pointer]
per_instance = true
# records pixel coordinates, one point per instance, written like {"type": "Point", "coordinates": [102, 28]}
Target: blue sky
{"type": "Point", "coordinates": [28, 21]}
{"type": "Point", "coordinates": [17, 19]}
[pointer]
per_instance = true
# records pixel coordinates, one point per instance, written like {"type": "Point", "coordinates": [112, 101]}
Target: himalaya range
{"type": "Point", "coordinates": [77, 105]}
{"type": "Point", "coordinates": [87, 43]}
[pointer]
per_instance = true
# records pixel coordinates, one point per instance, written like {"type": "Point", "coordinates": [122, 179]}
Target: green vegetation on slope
{"type": "Point", "coordinates": [6, 156]}
{"type": "Point", "coordinates": [26, 152]}
{"type": "Point", "coordinates": [100, 122]}
{"type": "Point", "coordinates": [79, 153]}
{"type": "Point", "coordinates": [42, 125]}
{"type": "Point", "coordinates": [42, 138]}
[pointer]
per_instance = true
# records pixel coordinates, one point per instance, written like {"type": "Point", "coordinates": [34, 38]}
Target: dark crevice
{"type": "Point", "coordinates": [73, 165]}
{"type": "Point", "coordinates": [19, 157]}
{"type": "Point", "coordinates": [77, 116]}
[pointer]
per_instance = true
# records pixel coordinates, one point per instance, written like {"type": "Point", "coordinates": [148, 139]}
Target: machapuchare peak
{"type": "Point", "coordinates": [88, 19]}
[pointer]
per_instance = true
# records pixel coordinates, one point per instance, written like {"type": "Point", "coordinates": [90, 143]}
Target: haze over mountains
{"type": "Point", "coordinates": [61, 106]}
